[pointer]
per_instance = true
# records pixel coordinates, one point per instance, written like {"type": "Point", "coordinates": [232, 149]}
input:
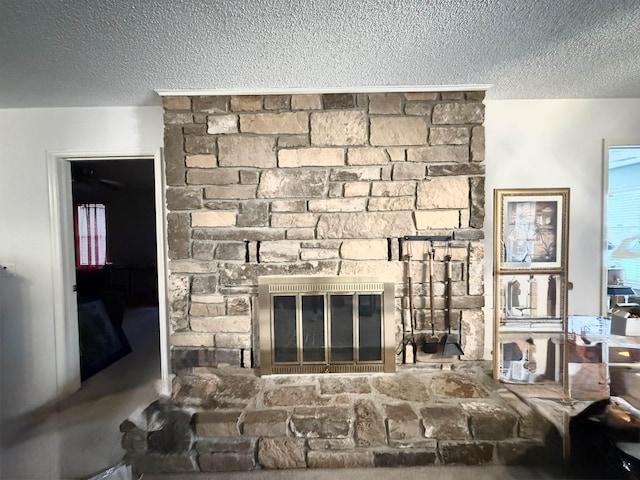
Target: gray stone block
{"type": "Point", "coordinates": [401, 386]}
{"type": "Point", "coordinates": [466, 453]}
{"type": "Point", "coordinates": [490, 421]}
{"type": "Point", "coordinates": [454, 385]}
{"type": "Point", "coordinates": [293, 396]}
{"type": "Point", "coordinates": [445, 423]}
{"type": "Point", "coordinates": [292, 183]}
{"type": "Point", "coordinates": [226, 455]}
{"type": "Point", "coordinates": [369, 425]}
{"type": "Point", "coordinates": [265, 423]}
{"type": "Point", "coordinates": [338, 100]}
{"type": "Point", "coordinates": [340, 459]}
{"type": "Point", "coordinates": [402, 421]}
{"type": "Point", "coordinates": [175, 435]}
{"type": "Point", "coordinates": [217, 423]}
{"type": "Point", "coordinates": [282, 453]}
{"type": "Point", "coordinates": [321, 422]}
{"type": "Point", "coordinates": [154, 463]}
{"type": "Point", "coordinates": [404, 458]}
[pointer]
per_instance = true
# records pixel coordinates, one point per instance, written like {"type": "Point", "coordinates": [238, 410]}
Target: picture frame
{"type": "Point", "coordinates": [531, 228]}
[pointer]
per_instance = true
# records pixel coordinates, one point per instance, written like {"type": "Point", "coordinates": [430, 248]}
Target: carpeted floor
{"type": "Point", "coordinates": [79, 437]}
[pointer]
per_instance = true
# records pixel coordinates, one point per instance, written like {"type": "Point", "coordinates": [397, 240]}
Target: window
{"type": "Point", "coordinates": [623, 216]}
{"type": "Point", "coordinates": [91, 235]}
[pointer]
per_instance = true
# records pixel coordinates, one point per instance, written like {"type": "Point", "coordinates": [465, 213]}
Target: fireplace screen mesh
{"type": "Point", "coordinates": [327, 324]}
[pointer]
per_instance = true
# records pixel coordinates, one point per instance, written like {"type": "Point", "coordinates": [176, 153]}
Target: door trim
{"type": "Point", "coordinates": [66, 339]}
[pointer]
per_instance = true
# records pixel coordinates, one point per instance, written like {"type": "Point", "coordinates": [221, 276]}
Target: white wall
{"type": "Point", "coordinates": [26, 300]}
{"type": "Point", "coordinates": [557, 143]}
{"type": "Point", "coordinates": [532, 143]}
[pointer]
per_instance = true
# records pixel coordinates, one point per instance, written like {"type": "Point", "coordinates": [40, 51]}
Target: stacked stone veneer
{"type": "Point", "coordinates": [317, 185]}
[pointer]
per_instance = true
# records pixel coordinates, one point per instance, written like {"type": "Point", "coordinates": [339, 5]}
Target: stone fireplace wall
{"type": "Point", "coordinates": [318, 185]}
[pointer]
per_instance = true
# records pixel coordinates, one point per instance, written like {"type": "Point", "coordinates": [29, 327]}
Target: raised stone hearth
{"type": "Point", "coordinates": [227, 421]}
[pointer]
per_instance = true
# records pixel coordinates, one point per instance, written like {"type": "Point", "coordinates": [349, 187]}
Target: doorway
{"type": "Point", "coordinates": [134, 280]}
{"type": "Point", "coordinates": [116, 267]}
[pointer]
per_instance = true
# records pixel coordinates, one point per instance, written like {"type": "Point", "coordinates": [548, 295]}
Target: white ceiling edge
{"type": "Point", "coordinates": [323, 90]}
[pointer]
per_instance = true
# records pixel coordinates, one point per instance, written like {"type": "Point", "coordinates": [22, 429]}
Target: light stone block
{"type": "Point", "coordinates": [318, 254]}
{"type": "Point", "coordinates": [421, 95]}
{"type": "Point", "coordinates": [176, 103]}
{"type": "Point", "coordinates": [472, 335]}
{"type": "Point", "coordinates": [306, 102]}
{"type": "Point", "coordinates": [288, 206]}
{"type": "Point", "coordinates": [477, 144]}
{"type": "Point", "coordinates": [310, 157]}
{"type": "Point", "coordinates": [390, 271]}
{"type": "Point", "coordinates": [213, 298]}
{"type": "Point", "coordinates": [364, 250]}
{"type": "Point", "coordinates": [335, 190]}
{"type": "Point", "coordinates": [178, 292]}
{"type": "Point", "coordinates": [339, 128]}
{"type": "Point", "coordinates": [172, 118]}
{"type": "Point", "coordinates": [279, 252]}
{"type": "Point", "coordinates": [213, 219]}
{"type": "Point", "coordinates": [275, 123]}
{"type": "Point", "coordinates": [202, 161]}
{"type": "Point", "coordinates": [380, 103]}
{"type": "Point", "coordinates": [190, 266]}
{"type": "Point", "coordinates": [449, 136]}
{"type": "Point", "coordinates": [439, 154]}
{"type": "Point", "coordinates": [357, 189]}
{"type": "Point", "coordinates": [222, 124]}
{"type": "Point", "coordinates": [397, 154]}
{"type": "Point", "coordinates": [338, 205]}
{"type": "Point", "coordinates": [293, 220]}
{"type": "Point", "coordinates": [433, 219]}
{"type": "Point", "coordinates": [191, 340]}
{"type": "Point", "coordinates": [443, 192]}
{"type": "Point", "coordinates": [222, 324]}
{"type": "Point", "coordinates": [246, 151]}
{"type": "Point", "coordinates": [367, 156]}
{"type": "Point", "coordinates": [300, 233]}
{"type": "Point", "coordinates": [476, 270]}
{"type": "Point", "coordinates": [408, 171]}
{"type": "Point", "coordinates": [418, 108]}
{"type": "Point", "coordinates": [232, 340]}
{"type": "Point", "coordinates": [231, 192]}
{"type": "Point", "coordinates": [393, 189]}
{"type": "Point", "coordinates": [246, 103]}
{"type": "Point", "coordinates": [365, 225]}
{"type": "Point", "coordinates": [296, 183]}
{"type": "Point", "coordinates": [389, 131]}
{"type": "Point", "coordinates": [457, 113]}
{"type": "Point", "coordinates": [391, 204]}
{"type": "Point", "coordinates": [206, 309]}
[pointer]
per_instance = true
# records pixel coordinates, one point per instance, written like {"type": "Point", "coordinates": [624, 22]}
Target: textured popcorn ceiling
{"type": "Point", "coordinates": [118, 52]}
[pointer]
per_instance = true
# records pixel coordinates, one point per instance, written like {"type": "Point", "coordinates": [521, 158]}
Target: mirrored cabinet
{"type": "Point", "coordinates": [530, 285]}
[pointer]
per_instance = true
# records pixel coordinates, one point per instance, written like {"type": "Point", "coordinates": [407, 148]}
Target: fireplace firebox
{"type": "Point", "coordinates": [326, 324]}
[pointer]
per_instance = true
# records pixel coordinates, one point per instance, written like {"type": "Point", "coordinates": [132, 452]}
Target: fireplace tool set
{"type": "Point", "coordinates": [449, 345]}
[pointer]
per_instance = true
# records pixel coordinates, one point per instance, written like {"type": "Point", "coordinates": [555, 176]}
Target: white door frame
{"type": "Point", "coordinates": [67, 353]}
